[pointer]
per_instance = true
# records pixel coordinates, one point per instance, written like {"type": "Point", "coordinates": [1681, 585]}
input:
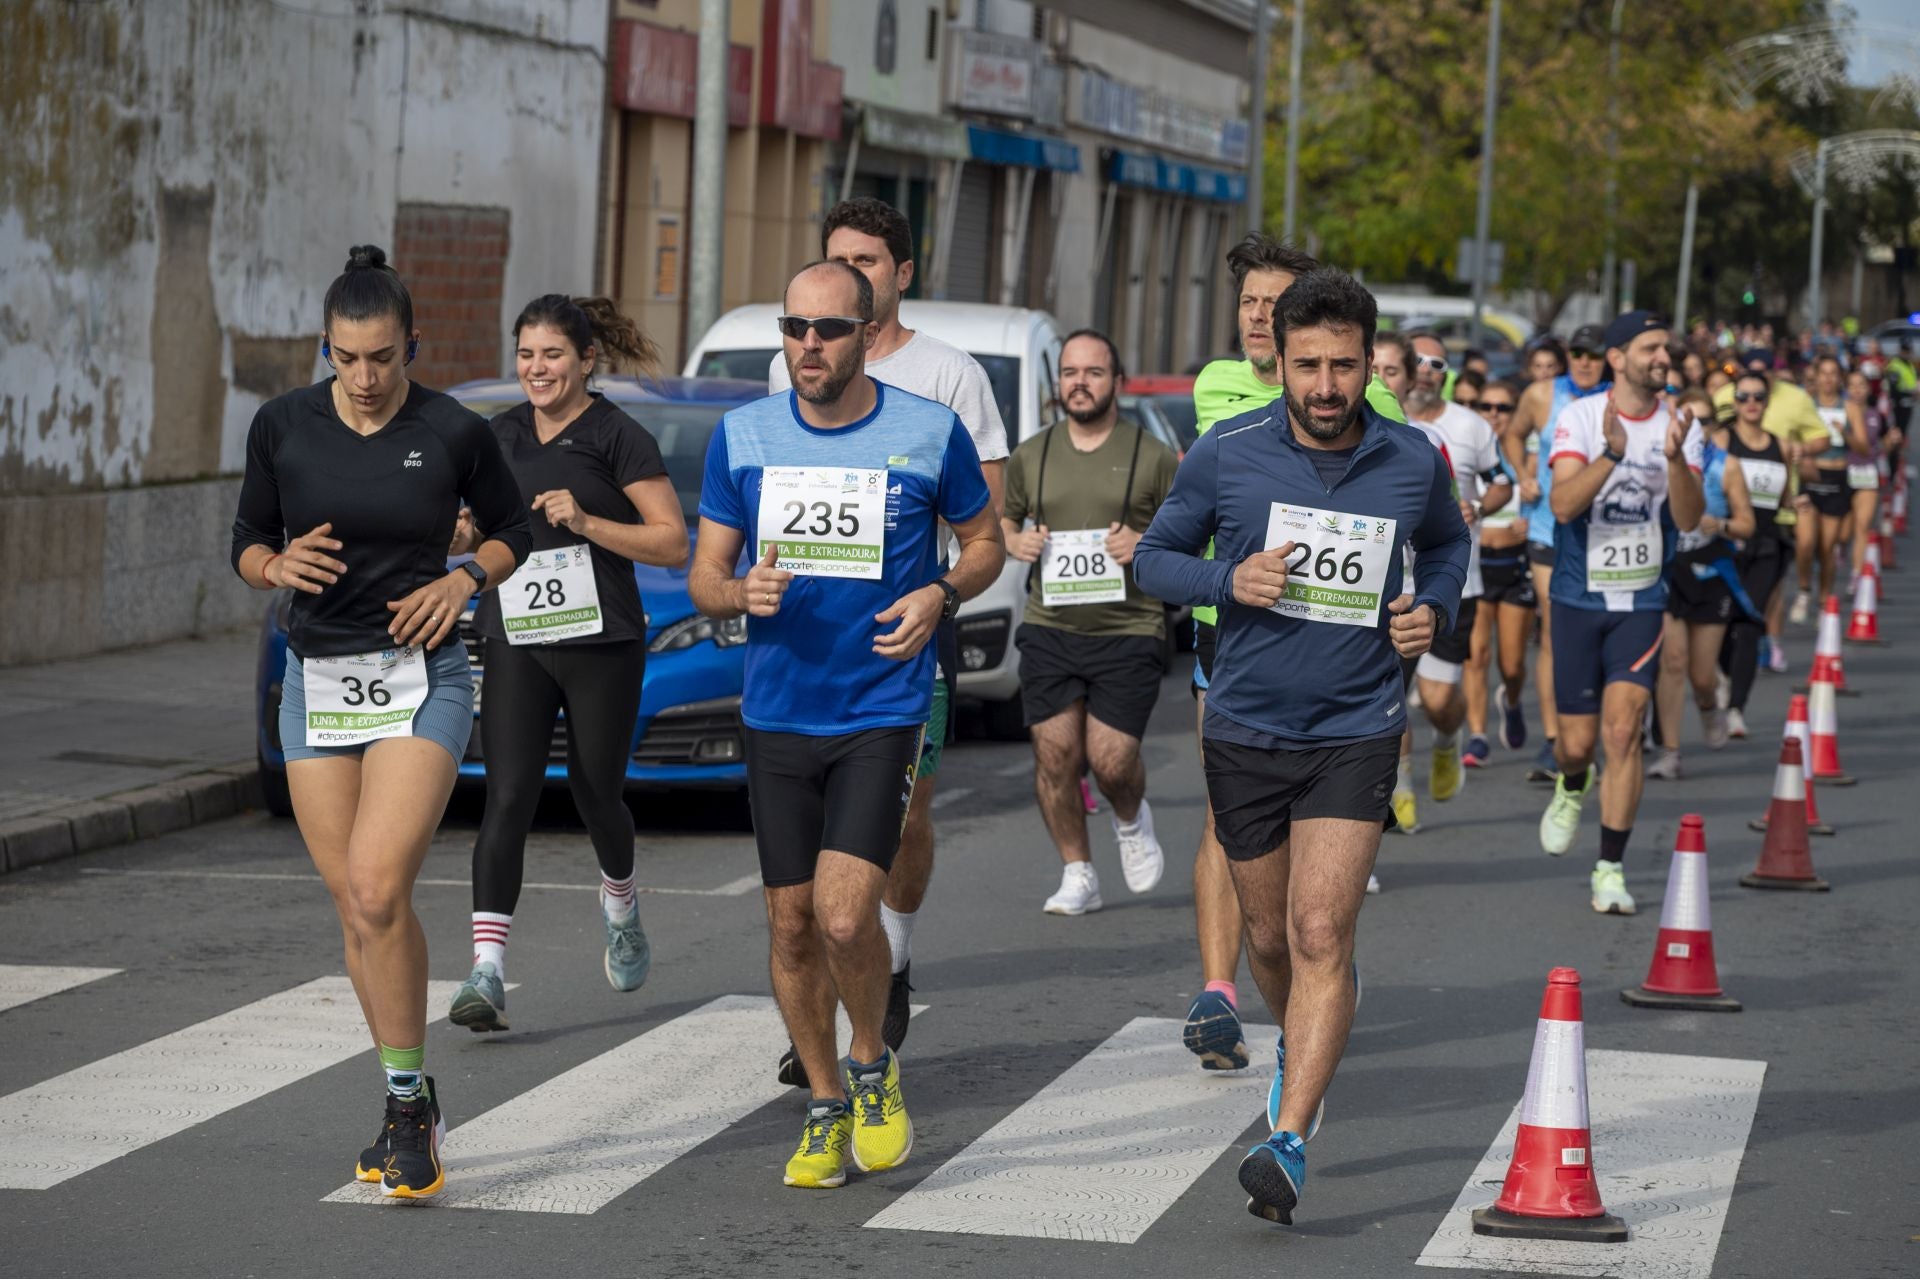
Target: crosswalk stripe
{"type": "Point", "coordinates": [732, 888]}
{"type": "Point", "coordinates": [1668, 1136]}
{"type": "Point", "coordinates": [112, 1107]}
{"type": "Point", "coordinates": [1100, 1152]}
{"type": "Point", "coordinates": [24, 983]}
{"type": "Point", "coordinates": [582, 1139]}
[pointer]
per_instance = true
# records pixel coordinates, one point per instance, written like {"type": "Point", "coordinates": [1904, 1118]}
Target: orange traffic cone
{"type": "Point", "coordinates": [1785, 860]}
{"type": "Point", "coordinates": [1864, 627]}
{"type": "Point", "coordinates": [1888, 560]}
{"type": "Point", "coordinates": [1823, 721]}
{"type": "Point", "coordinates": [1683, 974]}
{"type": "Point", "coordinates": [1550, 1191]}
{"type": "Point", "coordinates": [1797, 729]}
{"type": "Point", "coordinates": [1827, 662]}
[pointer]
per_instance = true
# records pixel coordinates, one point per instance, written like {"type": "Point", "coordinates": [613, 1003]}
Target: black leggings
{"type": "Point", "coordinates": [1763, 566]}
{"type": "Point", "coordinates": [599, 687]}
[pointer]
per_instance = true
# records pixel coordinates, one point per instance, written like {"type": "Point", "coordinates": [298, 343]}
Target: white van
{"type": "Point", "coordinates": [1020, 350]}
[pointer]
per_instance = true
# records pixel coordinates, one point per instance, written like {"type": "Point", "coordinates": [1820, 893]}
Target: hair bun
{"type": "Point", "coordinates": [366, 257]}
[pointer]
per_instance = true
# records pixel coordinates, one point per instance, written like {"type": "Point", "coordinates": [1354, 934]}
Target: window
{"type": "Point", "coordinates": [933, 35]}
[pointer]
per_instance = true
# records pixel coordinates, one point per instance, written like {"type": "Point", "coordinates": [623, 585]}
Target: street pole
{"type": "Point", "coordinates": [1296, 50]}
{"type": "Point", "coordinates": [1483, 216]}
{"type": "Point", "coordinates": [709, 214]}
{"type": "Point", "coordinates": [1686, 256]}
{"type": "Point", "coordinates": [1257, 118]}
{"type": "Point", "coordinates": [1613, 154]}
{"type": "Point", "coordinates": [1814, 305]}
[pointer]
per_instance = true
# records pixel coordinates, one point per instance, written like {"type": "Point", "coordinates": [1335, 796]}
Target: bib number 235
{"type": "Point", "coordinates": [827, 521]}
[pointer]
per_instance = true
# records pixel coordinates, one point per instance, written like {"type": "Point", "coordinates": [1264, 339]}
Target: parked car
{"type": "Point", "coordinates": [687, 733]}
{"type": "Point", "coordinates": [1886, 338]}
{"type": "Point", "coordinates": [1020, 351]}
{"type": "Point", "coordinates": [1172, 395]}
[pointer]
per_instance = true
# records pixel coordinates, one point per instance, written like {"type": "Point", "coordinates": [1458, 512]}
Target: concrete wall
{"type": "Point", "coordinates": [179, 186]}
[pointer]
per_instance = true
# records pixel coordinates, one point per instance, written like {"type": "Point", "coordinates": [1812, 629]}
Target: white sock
{"type": "Point", "coordinates": [1445, 741]}
{"type": "Point", "coordinates": [616, 897]}
{"type": "Point", "coordinates": [1142, 820]}
{"type": "Point", "coordinates": [1403, 776]}
{"type": "Point", "coordinates": [899, 929]}
{"type": "Point", "coordinates": [490, 940]}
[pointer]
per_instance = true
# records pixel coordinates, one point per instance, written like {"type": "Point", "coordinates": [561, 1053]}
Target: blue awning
{"type": "Point", "coordinates": [1025, 150]}
{"type": "Point", "coordinates": [1134, 168]}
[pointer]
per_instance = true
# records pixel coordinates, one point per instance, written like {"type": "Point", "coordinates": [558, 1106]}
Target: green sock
{"type": "Point", "coordinates": [406, 1078]}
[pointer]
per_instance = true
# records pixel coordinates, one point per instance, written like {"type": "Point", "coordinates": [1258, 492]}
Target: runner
{"type": "Point", "coordinates": [1764, 559]}
{"type": "Point", "coordinates": [1703, 597]}
{"type": "Point", "coordinates": [1546, 360]}
{"type": "Point", "coordinates": [1625, 484]}
{"type": "Point", "coordinates": [1262, 269]}
{"type": "Point", "coordinates": [875, 239]}
{"type": "Point", "coordinates": [1526, 446]}
{"type": "Point", "coordinates": [568, 631]}
{"type": "Point", "coordinates": [1508, 594]}
{"type": "Point", "coordinates": [1825, 479]}
{"type": "Point", "coordinates": [1393, 365]}
{"type": "Point", "coordinates": [1863, 473]}
{"type": "Point", "coordinates": [1092, 646]}
{"type": "Point", "coordinates": [1310, 507]}
{"type": "Point", "coordinates": [374, 468]}
{"type": "Point", "coordinates": [839, 487]}
{"type": "Point", "coordinates": [1480, 485]}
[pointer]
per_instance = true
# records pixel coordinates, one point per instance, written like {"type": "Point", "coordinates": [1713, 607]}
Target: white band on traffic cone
{"type": "Point", "coordinates": [1557, 1078]}
{"type": "Point", "coordinates": [1686, 905]}
{"type": "Point", "coordinates": [1790, 783]}
{"type": "Point", "coordinates": [1823, 719]}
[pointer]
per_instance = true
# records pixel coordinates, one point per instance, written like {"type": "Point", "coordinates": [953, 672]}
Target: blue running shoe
{"type": "Point", "coordinates": [1273, 1174]}
{"type": "Point", "coordinates": [1513, 720]}
{"type": "Point", "coordinates": [1213, 1033]}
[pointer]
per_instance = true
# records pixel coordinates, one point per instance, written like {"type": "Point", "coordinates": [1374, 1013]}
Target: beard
{"type": "Point", "coordinates": [1651, 377]}
{"type": "Point", "coordinates": [1297, 410]}
{"type": "Point", "coordinates": [838, 374]}
{"type": "Point", "coordinates": [1265, 363]}
{"type": "Point", "coordinates": [1092, 412]}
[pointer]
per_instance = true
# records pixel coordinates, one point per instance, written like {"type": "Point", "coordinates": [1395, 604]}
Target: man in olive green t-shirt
{"type": "Point", "coordinates": [1092, 646]}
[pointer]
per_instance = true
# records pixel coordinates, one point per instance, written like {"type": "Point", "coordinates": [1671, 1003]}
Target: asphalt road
{"type": "Point", "coordinates": [1455, 952]}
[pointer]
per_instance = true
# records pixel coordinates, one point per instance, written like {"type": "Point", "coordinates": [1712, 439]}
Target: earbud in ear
{"type": "Point", "coordinates": [326, 350]}
{"type": "Point", "coordinates": [413, 349]}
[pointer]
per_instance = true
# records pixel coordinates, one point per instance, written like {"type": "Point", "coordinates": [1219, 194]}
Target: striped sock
{"type": "Point", "coordinates": [405, 1067]}
{"type": "Point", "coordinates": [490, 939]}
{"type": "Point", "coordinates": [616, 897]}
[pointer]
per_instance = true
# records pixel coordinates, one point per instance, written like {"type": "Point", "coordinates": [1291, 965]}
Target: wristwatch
{"type": "Point", "coordinates": [952, 606]}
{"type": "Point", "coordinates": [479, 574]}
{"type": "Point", "coordinates": [1611, 456]}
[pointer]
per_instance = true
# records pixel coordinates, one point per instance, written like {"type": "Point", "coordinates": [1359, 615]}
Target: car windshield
{"type": "Point", "coordinates": [1003, 373]}
{"type": "Point", "coordinates": [750, 363]}
{"type": "Point", "coordinates": [1179, 411]}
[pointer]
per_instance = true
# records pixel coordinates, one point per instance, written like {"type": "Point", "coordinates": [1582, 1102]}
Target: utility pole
{"type": "Point", "coordinates": [1257, 117]}
{"type": "Point", "coordinates": [1814, 303]}
{"type": "Point", "coordinates": [1613, 155]}
{"type": "Point", "coordinates": [1483, 216]}
{"type": "Point", "coordinates": [707, 223]}
{"type": "Point", "coordinates": [1296, 50]}
{"type": "Point", "coordinates": [1685, 287]}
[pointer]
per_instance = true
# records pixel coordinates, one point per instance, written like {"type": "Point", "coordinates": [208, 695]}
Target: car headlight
{"type": "Point", "coordinates": [689, 631]}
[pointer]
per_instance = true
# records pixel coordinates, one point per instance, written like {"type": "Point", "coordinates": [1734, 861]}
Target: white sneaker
{"type": "Point", "coordinates": [1736, 723]}
{"type": "Point", "coordinates": [1373, 883]}
{"type": "Point", "coordinates": [1797, 613]}
{"type": "Point", "coordinates": [1714, 725]}
{"type": "Point", "coordinates": [1722, 690]}
{"type": "Point", "coordinates": [1079, 891]}
{"type": "Point", "coordinates": [1141, 860]}
{"type": "Point", "coordinates": [1667, 767]}
{"type": "Point", "coordinates": [1610, 895]}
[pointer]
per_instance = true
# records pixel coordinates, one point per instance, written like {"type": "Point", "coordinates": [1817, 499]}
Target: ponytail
{"type": "Point", "coordinates": [596, 323]}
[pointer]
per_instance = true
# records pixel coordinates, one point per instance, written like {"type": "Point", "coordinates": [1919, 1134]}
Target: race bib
{"type": "Point", "coordinates": [827, 521]}
{"type": "Point", "coordinates": [551, 596]}
{"type": "Point", "coordinates": [1766, 482]}
{"type": "Point", "coordinates": [1078, 570]}
{"type": "Point", "coordinates": [1622, 557]}
{"type": "Point", "coordinates": [1863, 475]}
{"type": "Point", "coordinates": [355, 700]}
{"type": "Point", "coordinates": [1337, 571]}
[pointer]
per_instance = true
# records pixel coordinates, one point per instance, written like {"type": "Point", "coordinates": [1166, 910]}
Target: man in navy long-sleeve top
{"type": "Point", "coordinates": [1311, 509]}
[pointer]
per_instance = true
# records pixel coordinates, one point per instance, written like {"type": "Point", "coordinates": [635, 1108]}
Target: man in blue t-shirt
{"type": "Point", "coordinates": [838, 487]}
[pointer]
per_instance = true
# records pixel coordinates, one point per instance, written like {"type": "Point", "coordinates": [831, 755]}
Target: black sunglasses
{"type": "Point", "coordinates": [831, 328]}
{"type": "Point", "coordinates": [1749, 397]}
{"type": "Point", "coordinates": [1578, 354]}
{"type": "Point", "coordinates": [1491, 406]}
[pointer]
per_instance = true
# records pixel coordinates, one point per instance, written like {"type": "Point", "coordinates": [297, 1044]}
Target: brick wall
{"type": "Point", "coordinates": [454, 260]}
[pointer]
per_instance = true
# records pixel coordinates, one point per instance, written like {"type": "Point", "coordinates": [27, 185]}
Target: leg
{"type": "Point", "coordinates": [802, 986]}
{"type": "Point", "coordinates": [1623, 709]}
{"type": "Point", "coordinates": [1806, 542]}
{"type": "Point", "coordinates": [1866, 504]}
{"type": "Point", "coordinates": [1215, 908]}
{"type": "Point", "coordinates": [1516, 629]}
{"type": "Point", "coordinates": [846, 905]}
{"type": "Point", "coordinates": [1445, 708]}
{"type": "Point", "coordinates": [1831, 530]}
{"type": "Point", "coordinates": [1117, 768]}
{"type": "Point", "coordinates": [326, 794]}
{"type": "Point", "coordinates": [1261, 885]}
{"type": "Point", "coordinates": [1473, 679]}
{"type": "Point", "coordinates": [913, 867]}
{"type": "Point", "coordinates": [1059, 753]}
{"type": "Point", "coordinates": [1703, 664]}
{"type": "Point", "coordinates": [1671, 689]}
{"type": "Point", "coordinates": [516, 726]}
{"type": "Point", "coordinates": [602, 685]}
{"type": "Point", "coordinates": [1543, 670]}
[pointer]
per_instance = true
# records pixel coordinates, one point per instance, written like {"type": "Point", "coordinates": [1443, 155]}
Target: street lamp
{"type": "Point", "coordinates": [1857, 160]}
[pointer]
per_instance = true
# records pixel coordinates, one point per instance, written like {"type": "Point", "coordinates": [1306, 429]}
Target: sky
{"type": "Point", "coordinates": [1876, 59]}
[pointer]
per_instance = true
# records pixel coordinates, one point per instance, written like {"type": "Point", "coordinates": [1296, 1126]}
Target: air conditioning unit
{"type": "Point", "coordinates": [1059, 31]}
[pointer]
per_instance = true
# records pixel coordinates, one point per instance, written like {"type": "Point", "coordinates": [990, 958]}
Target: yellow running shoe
{"type": "Point", "coordinates": [821, 1160]}
{"type": "Point", "coordinates": [1406, 818]}
{"type": "Point", "coordinates": [882, 1132]}
{"type": "Point", "coordinates": [1446, 776]}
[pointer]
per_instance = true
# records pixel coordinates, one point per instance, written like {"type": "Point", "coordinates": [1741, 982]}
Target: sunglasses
{"type": "Point", "coordinates": [1578, 354]}
{"type": "Point", "coordinates": [1749, 397]}
{"type": "Point", "coordinates": [831, 328]}
{"type": "Point", "coordinates": [1489, 406]}
{"type": "Point", "coordinates": [1430, 361]}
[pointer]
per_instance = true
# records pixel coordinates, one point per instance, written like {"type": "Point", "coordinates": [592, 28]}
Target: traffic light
{"type": "Point", "coordinates": [1747, 297]}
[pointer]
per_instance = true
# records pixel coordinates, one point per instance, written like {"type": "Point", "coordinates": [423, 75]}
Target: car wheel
{"type": "Point", "coordinates": [1004, 721]}
{"type": "Point", "coordinates": [273, 784]}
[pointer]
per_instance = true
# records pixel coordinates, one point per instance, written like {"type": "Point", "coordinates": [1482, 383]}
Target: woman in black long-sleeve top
{"type": "Point", "coordinates": [351, 492]}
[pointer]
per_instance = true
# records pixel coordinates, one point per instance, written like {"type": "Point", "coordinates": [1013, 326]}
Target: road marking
{"type": "Point", "coordinates": [584, 1138]}
{"type": "Point", "coordinates": [1022, 769]}
{"type": "Point", "coordinates": [1100, 1152]}
{"type": "Point", "coordinates": [942, 798]}
{"type": "Point", "coordinates": [24, 983]}
{"type": "Point", "coordinates": [732, 888]}
{"type": "Point", "coordinates": [1668, 1135]}
{"type": "Point", "coordinates": [112, 1107]}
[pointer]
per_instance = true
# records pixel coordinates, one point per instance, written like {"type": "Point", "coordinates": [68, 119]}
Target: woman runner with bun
{"type": "Point", "coordinates": [367, 471]}
{"type": "Point", "coordinates": [568, 631]}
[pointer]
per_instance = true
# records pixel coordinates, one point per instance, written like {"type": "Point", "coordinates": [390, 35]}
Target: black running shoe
{"type": "Point", "coordinates": [791, 1072]}
{"type": "Point", "coordinates": [373, 1158]}
{"type": "Point", "coordinates": [411, 1169]}
{"type": "Point", "coordinates": [893, 1029]}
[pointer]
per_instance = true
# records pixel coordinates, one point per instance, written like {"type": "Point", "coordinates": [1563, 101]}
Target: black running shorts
{"type": "Point", "coordinates": [1507, 579]}
{"type": "Point", "coordinates": [1117, 676]}
{"type": "Point", "coordinates": [1258, 794]}
{"type": "Point", "coordinates": [1457, 644]}
{"type": "Point", "coordinates": [846, 793]}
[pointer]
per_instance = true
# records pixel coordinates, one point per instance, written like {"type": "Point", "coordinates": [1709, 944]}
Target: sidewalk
{"type": "Point", "coordinates": [125, 745]}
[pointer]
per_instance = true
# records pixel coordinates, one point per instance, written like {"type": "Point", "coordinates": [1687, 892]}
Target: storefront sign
{"type": "Point", "coordinates": [990, 72]}
{"type": "Point", "coordinates": [796, 92]}
{"type": "Point", "coordinates": [656, 71]}
{"type": "Point", "coordinates": [1098, 101]}
{"type": "Point", "coordinates": [927, 135]}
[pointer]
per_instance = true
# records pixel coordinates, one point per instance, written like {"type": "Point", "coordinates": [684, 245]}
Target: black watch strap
{"type": "Point", "coordinates": [478, 574]}
{"type": "Point", "coordinates": [1611, 456]}
{"type": "Point", "coordinates": [952, 606]}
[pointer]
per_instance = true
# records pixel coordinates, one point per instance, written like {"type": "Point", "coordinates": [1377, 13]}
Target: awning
{"type": "Point", "coordinates": [1134, 168]}
{"type": "Point", "coordinates": [1022, 150]}
{"type": "Point", "coordinates": [928, 135]}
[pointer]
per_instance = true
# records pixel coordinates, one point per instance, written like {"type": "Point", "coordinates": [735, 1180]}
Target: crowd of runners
{"type": "Point", "coordinates": [1639, 519]}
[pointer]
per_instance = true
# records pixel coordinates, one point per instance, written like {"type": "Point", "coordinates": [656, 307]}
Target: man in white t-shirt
{"type": "Point", "coordinates": [1480, 486]}
{"type": "Point", "coordinates": [874, 238]}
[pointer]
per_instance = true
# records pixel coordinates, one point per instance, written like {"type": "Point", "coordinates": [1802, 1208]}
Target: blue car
{"type": "Point", "coordinates": [688, 731]}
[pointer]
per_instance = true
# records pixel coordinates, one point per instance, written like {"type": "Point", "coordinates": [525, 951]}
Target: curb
{"type": "Point", "coordinates": [191, 800]}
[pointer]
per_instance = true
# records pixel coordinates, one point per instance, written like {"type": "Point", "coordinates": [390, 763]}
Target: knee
{"type": "Point", "coordinates": [1056, 755]}
{"type": "Point", "coordinates": [844, 929]}
{"type": "Point", "coordinates": [790, 930]}
{"type": "Point", "coordinates": [1114, 770]}
{"type": "Point", "coordinates": [1318, 938]}
{"type": "Point", "coordinates": [1621, 737]}
{"type": "Point", "coordinates": [378, 902]}
{"type": "Point", "coordinates": [1267, 939]}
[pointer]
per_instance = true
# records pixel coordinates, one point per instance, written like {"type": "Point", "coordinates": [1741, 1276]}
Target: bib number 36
{"type": "Point", "coordinates": [363, 698]}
